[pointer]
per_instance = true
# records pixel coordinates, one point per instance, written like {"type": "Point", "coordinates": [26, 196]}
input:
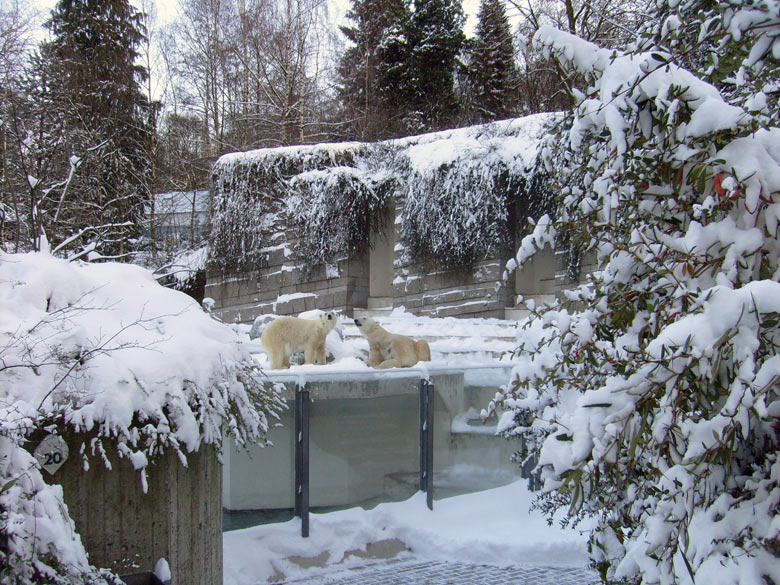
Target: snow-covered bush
{"type": "Point", "coordinates": [103, 352]}
{"type": "Point", "coordinates": [41, 544]}
{"type": "Point", "coordinates": [336, 210]}
{"type": "Point", "coordinates": [658, 382]}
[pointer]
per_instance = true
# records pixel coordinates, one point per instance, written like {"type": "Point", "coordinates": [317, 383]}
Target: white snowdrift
{"type": "Point", "coordinates": [489, 527]}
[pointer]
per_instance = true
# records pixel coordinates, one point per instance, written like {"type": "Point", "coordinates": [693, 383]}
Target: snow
{"type": "Point", "coordinates": [453, 185]}
{"type": "Point", "coordinates": [103, 348]}
{"type": "Point", "coordinates": [488, 527]}
{"type": "Point", "coordinates": [111, 326]}
{"type": "Point", "coordinates": [479, 348]}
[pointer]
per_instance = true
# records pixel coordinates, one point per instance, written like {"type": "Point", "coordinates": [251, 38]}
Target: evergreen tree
{"type": "Point", "coordinates": [366, 79]}
{"type": "Point", "coordinates": [492, 70]}
{"type": "Point", "coordinates": [92, 74]}
{"type": "Point", "coordinates": [435, 38]}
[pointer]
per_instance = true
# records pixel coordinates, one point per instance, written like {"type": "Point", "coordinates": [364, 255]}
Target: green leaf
{"type": "Point", "coordinates": [8, 485]}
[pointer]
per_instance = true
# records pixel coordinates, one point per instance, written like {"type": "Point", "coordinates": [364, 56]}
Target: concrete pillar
{"type": "Point", "coordinates": [537, 277]}
{"type": "Point", "coordinates": [380, 279]}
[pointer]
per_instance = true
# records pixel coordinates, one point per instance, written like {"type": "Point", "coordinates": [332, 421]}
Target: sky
{"type": "Point", "coordinates": [167, 10]}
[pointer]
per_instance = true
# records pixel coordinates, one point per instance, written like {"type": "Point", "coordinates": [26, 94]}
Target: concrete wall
{"type": "Point", "coordinates": [127, 530]}
{"type": "Point", "coordinates": [364, 436]}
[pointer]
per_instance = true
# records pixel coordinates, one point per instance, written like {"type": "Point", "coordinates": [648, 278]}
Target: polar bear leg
{"type": "Point", "coordinates": [314, 353]}
{"type": "Point", "coordinates": [389, 364]}
{"type": "Point", "coordinates": [279, 359]}
{"type": "Point", "coordinates": [423, 350]}
{"type": "Point", "coordinates": [310, 354]}
{"type": "Point", "coordinates": [375, 356]}
{"type": "Point", "coordinates": [321, 358]}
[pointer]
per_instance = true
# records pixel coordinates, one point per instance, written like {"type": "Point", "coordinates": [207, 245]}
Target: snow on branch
{"type": "Point", "coordinates": [104, 349]}
{"type": "Point", "coordinates": [656, 390]}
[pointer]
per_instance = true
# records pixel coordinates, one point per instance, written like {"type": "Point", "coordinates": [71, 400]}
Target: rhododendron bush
{"type": "Point", "coordinates": [652, 390]}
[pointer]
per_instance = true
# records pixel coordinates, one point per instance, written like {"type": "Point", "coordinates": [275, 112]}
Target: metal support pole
{"type": "Point", "coordinates": [426, 440]}
{"type": "Point", "coordinates": [302, 458]}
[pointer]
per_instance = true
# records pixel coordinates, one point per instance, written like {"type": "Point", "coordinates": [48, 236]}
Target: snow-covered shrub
{"type": "Point", "coordinates": [658, 382]}
{"type": "Point", "coordinates": [336, 210]}
{"type": "Point", "coordinates": [459, 191]}
{"type": "Point", "coordinates": [248, 192]}
{"type": "Point", "coordinates": [40, 541]}
{"type": "Point", "coordinates": [102, 351]}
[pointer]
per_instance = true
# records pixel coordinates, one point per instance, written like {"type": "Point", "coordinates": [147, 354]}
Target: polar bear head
{"type": "Point", "coordinates": [330, 321]}
{"type": "Point", "coordinates": [366, 325]}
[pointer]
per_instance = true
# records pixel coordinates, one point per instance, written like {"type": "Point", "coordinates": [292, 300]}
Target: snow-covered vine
{"type": "Point", "coordinates": [336, 210]}
{"type": "Point", "coordinates": [458, 189]}
{"type": "Point", "coordinates": [248, 208]}
{"type": "Point", "coordinates": [657, 387]}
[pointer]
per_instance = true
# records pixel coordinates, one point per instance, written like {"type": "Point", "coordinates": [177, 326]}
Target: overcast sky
{"type": "Point", "coordinates": [167, 9]}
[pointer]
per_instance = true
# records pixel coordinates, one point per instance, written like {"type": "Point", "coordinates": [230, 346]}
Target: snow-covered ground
{"type": "Point", "coordinates": [489, 527]}
{"type": "Point", "coordinates": [492, 525]}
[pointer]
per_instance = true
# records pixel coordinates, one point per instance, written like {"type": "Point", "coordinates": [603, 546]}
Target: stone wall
{"type": "Point", "coordinates": [283, 288]}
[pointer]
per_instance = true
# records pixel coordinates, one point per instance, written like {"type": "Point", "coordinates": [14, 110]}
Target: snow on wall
{"type": "Point", "coordinates": [452, 192]}
{"type": "Point", "coordinates": [104, 353]}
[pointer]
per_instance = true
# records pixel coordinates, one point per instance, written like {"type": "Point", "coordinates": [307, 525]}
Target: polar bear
{"type": "Point", "coordinates": [389, 350]}
{"type": "Point", "coordinates": [286, 335]}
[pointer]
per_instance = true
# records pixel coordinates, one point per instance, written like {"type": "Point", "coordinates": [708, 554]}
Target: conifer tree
{"type": "Point", "coordinates": [435, 38]}
{"type": "Point", "coordinates": [93, 75]}
{"type": "Point", "coordinates": [492, 72]}
{"type": "Point", "coordinates": [367, 81]}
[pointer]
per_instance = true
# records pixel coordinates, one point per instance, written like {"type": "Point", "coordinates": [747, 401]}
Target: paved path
{"type": "Point", "coordinates": [416, 572]}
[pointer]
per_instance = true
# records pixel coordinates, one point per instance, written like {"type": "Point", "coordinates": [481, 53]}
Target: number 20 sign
{"type": "Point", "coordinates": [51, 453]}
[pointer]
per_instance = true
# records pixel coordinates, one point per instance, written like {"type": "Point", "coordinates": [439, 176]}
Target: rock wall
{"type": "Point", "coordinates": [450, 195]}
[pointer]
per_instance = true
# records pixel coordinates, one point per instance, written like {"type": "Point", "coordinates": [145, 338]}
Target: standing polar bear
{"type": "Point", "coordinates": [286, 335]}
{"type": "Point", "coordinates": [389, 350]}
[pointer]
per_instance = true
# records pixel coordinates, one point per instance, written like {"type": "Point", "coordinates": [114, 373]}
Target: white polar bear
{"type": "Point", "coordinates": [389, 350]}
{"type": "Point", "coordinates": [286, 335]}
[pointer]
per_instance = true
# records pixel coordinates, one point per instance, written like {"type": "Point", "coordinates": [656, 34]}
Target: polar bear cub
{"type": "Point", "coordinates": [284, 336]}
{"type": "Point", "coordinates": [389, 350]}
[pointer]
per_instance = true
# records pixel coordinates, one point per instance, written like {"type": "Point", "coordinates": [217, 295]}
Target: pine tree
{"type": "Point", "coordinates": [435, 37]}
{"type": "Point", "coordinates": [492, 71]}
{"type": "Point", "coordinates": [92, 71]}
{"type": "Point", "coordinates": [365, 84]}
